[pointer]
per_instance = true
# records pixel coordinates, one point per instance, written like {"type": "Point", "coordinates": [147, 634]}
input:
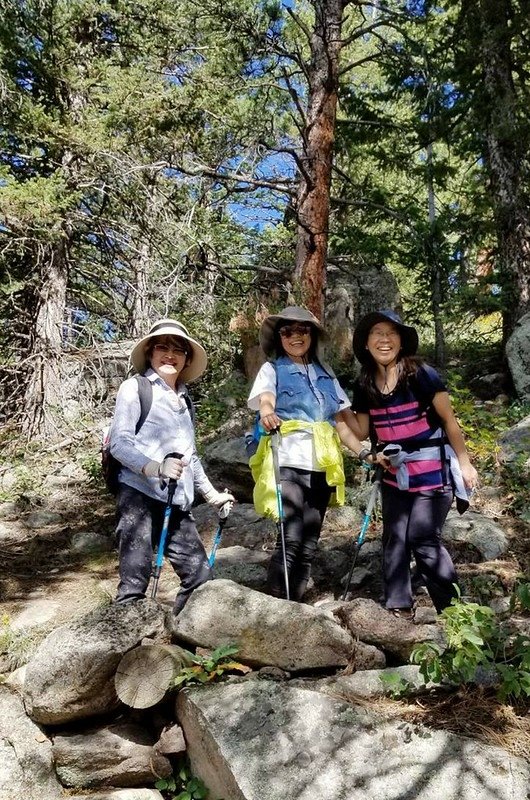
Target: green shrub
{"type": "Point", "coordinates": [476, 639]}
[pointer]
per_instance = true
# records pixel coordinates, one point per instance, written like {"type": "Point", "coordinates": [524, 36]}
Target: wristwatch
{"type": "Point", "coordinates": [363, 455]}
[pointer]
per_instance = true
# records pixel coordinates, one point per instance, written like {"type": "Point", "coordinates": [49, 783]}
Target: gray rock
{"type": "Point", "coordinates": [26, 768]}
{"type": "Point", "coordinates": [518, 357]}
{"type": "Point", "coordinates": [42, 518]}
{"type": "Point", "coordinates": [352, 293]}
{"type": "Point", "coordinates": [90, 542]}
{"type": "Point", "coordinates": [373, 624]}
{"type": "Point", "coordinates": [116, 755]}
{"type": "Point", "coordinates": [371, 683]}
{"type": "Point", "coordinates": [514, 445]}
{"type": "Point", "coordinates": [227, 456]}
{"type": "Point", "coordinates": [71, 675]}
{"type": "Point", "coordinates": [262, 740]}
{"type": "Point", "coordinates": [483, 534]}
{"type": "Point", "coordinates": [244, 566]}
{"type": "Point", "coordinates": [243, 528]}
{"type": "Point", "coordinates": [267, 631]}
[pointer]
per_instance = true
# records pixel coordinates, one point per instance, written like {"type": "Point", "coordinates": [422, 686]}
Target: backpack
{"type": "Point", "coordinates": [252, 437]}
{"type": "Point", "coordinates": [110, 466]}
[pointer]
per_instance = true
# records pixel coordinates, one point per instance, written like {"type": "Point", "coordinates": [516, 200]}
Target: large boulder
{"type": "Point", "coordinates": [474, 530]}
{"type": "Point", "coordinates": [266, 630]}
{"type": "Point", "coordinates": [71, 675]}
{"type": "Point", "coordinates": [262, 740]}
{"type": "Point", "coordinates": [373, 624]}
{"type": "Point", "coordinates": [352, 293]}
{"type": "Point", "coordinates": [227, 456]}
{"type": "Point", "coordinates": [26, 767]}
{"type": "Point", "coordinates": [121, 754]}
{"type": "Point", "coordinates": [514, 445]}
{"type": "Point", "coordinates": [518, 357]}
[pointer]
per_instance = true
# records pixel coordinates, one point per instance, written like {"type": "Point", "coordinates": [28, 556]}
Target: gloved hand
{"type": "Point", "coordinates": [218, 499]}
{"type": "Point", "coordinates": [170, 468]}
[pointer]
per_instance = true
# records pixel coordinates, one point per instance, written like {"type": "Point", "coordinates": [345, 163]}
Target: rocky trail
{"type": "Point", "coordinates": [311, 719]}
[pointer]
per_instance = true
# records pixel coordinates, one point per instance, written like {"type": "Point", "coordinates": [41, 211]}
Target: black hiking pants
{"type": "Point", "coordinates": [412, 524]}
{"type": "Point", "coordinates": [140, 520]}
{"type": "Point", "coordinates": [305, 497]}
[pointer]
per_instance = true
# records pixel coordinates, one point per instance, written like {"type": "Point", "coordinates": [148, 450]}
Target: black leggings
{"type": "Point", "coordinates": [412, 523]}
{"type": "Point", "coordinates": [305, 497]}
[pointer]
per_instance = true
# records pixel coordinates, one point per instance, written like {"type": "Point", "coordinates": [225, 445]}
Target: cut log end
{"type": "Point", "coordinates": [146, 673]}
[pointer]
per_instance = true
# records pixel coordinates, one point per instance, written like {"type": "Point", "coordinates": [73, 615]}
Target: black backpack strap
{"type": "Point", "coordinates": [145, 393]}
{"type": "Point", "coordinates": [191, 407]}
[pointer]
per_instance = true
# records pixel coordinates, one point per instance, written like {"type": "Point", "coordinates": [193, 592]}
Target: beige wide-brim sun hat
{"type": "Point", "coordinates": [289, 314]}
{"type": "Point", "coordinates": [171, 327]}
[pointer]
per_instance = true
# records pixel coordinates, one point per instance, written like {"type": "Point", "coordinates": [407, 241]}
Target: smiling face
{"type": "Point", "coordinates": [295, 338]}
{"type": "Point", "coordinates": [384, 343]}
{"type": "Point", "coordinates": [168, 356]}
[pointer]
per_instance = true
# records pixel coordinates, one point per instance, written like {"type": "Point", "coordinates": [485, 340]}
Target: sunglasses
{"type": "Point", "coordinates": [164, 349]}
{"type": "Point", "coordinates": [286, 331]}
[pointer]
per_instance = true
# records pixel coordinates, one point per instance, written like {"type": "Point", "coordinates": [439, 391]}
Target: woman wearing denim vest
{"type": "Point", "coordinates": [299, 396]}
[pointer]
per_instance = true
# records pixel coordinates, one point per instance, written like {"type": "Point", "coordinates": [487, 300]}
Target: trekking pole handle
{"type": "Point", "coordinates": [225, 510]}
{"type": "Point", "coordinates": [172, 483]}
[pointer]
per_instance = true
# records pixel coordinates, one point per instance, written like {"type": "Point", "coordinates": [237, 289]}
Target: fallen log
{"type": "Point", "coordinates": [146, 673]}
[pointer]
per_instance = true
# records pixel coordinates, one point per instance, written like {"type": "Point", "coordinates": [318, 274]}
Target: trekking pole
{"type": "Point", "coordinates": [157, 567]}
{"type": "Point", "coordinates": [365, 523]}
{"type": "Point", "coordinates": [224, 511]}
{"type": "Point", "coordinates": [275, 443]}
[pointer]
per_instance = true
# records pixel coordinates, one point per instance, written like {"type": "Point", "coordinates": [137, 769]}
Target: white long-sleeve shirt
{"type": "Point", "coordinates": [168, 428]}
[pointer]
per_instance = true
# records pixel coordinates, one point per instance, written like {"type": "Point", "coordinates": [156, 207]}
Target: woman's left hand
{"type": "Point", "coordinates": [470, 476]}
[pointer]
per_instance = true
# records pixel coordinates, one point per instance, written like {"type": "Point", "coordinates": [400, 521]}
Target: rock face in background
{"type": "Point", "coordinates": [518, 356]}
{"type": "Point", "coordinates": [350, 295]}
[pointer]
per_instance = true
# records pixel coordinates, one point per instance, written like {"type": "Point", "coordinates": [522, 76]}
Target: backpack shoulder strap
{"type": "Point", "coordinates": [191, 407]}
{"type": "Point", "coordinates": [145, 393]}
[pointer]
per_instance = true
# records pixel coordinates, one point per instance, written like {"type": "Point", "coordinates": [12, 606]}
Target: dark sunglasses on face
{"type": "Point", "coordinates": [286, 331]}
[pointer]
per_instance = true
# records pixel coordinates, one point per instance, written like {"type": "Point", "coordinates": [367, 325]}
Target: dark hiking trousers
{"type": "Point", "coordinates": [140, 520]}
{"type": "Point", "coordinates": [412, 523]}
{"type": "Point", "coordinates": [305, 497]}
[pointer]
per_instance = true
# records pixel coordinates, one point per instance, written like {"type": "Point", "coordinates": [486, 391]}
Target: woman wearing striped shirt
{"type": "Point", "coordinates": [404, 406]}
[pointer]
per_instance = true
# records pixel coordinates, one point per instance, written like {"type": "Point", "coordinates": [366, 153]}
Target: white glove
{"type": "Point", "coordinates": [169, 469]}
{"type": "Point", "coordinates": [218, 499]}
{"type": "Point", "coordinates": [150, 470]}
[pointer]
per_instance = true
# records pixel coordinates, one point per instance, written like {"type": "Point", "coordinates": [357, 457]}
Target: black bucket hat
{"type": "Point", "coordinates": [408, 334]}
{"type": "Point", "coordinates": [289, 314]}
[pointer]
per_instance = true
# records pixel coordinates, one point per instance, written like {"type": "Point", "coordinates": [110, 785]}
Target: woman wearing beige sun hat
{"type": "Point", "coordinates": [146, 446]}
{"type": "Point", "coordinates": [297, 394]}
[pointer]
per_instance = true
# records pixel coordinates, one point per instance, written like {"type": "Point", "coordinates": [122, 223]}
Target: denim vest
{"type": "Point", "coordinates": [299, 398]}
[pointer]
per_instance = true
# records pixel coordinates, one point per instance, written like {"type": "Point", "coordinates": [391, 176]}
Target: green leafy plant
{"type": "Point", "coordinates": [395, 685]}
{"type": "Point", "coordinates": [183, 786]}
{"type": "Point", "coordinates": [210, 667]}
{"type": "Point", "coordinates": [476, 639]}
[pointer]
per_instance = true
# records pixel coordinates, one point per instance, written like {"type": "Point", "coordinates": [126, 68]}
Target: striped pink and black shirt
{"type": "Point", "coordinates": [402, 418]}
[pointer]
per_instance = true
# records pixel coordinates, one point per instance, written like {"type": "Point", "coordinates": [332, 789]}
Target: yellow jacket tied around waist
{"type": "Point", "coordinates": [328, 456]}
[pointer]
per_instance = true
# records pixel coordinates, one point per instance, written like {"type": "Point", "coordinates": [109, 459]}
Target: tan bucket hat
{"type": "Point", "coordinates": [171, 327]}
{"type": "Point", "coordinates": [289, 314]}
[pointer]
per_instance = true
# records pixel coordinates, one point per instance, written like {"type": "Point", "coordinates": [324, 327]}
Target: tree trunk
{"type": "Point", "coordinates": [146, 673]}
{"type": "Point", "coordinates": [317, 156]}
{"type": "Point", "coordinates": [44, 396]}
{"type": "Point", "coordinates": [505, 145]}
{"type": "Point", "coordinates": [436, 277]}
